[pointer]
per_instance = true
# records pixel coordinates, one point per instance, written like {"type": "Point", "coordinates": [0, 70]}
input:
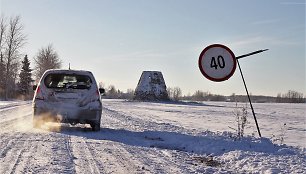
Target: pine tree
{"type": "Point", "coordinates": [25, 77]}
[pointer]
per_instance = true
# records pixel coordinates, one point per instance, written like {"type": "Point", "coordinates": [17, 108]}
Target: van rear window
{"type": "Point", "coordinates": [68, 81]}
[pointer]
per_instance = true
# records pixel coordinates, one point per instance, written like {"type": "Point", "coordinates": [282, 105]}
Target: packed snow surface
{"type": "Point", "coordinates": [144, 137]}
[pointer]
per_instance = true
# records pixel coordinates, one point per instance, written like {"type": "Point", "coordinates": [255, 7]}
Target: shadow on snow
{"type": "Point", "coordinates": [208, 143]}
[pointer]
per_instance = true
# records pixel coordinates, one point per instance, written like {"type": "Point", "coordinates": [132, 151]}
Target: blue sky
{"type": "Point", "coordinates": [118, 39]}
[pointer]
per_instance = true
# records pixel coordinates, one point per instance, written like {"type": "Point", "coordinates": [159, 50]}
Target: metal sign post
{"type": "Point", "coordinates": [218, 63]}
{"type": "Point", "coordinates": [246, 89]}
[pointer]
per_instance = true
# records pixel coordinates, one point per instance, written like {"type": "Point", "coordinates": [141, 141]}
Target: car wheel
{"type": "Point", "coordinates": [95, 126]}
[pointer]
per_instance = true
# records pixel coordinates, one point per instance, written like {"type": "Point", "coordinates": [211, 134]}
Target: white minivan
{"type": "Point", "coordinates": [67, 96]}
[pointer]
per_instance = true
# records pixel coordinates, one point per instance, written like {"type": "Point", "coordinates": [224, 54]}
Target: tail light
{"type": "Point", "coordinates": [97, 97]}
{"type": "Point", "coordinates": [39, 95]}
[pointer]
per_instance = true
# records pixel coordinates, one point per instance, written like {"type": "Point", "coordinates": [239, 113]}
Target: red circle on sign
{"type": "Point", "coordinates": [232, 56]}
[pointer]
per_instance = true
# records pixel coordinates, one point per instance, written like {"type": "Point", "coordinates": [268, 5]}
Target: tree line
{"type": "Point", "coordinates": [16, 76]}
{"type": "Point", "coordinates": [175, 94]}
{"type": "Point", "coordinates": [290, 97]}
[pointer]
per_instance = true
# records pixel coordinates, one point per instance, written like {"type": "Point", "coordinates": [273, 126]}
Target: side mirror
{"type": "Point", "coordinates": [101, 90]}
{"type": "Point", "coordinates": [34, 87]}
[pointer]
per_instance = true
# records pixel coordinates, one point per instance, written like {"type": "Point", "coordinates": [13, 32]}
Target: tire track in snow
{"type": "Point", "coordinates": [112, 157]}
{"type": "Point", "coordinates": [62, 160]}
{"type": "Point", "coordinates": [6, 128]}
{"type": "Point", "coordinates": [17, 161]}
{"type": "Point", "coordinates": [124, 160]}
{"type": "Point", "coordinates": [68, 146]}
{"type": "Point", "coordinates": [10, 143]}
{"type": "Point", "coordinates": [46, 152]}
{"type": "Point", "coordinates": [11, 156]}
{"type": "Point", "coordinates": [24, 165]}
{"type": "Point", "coordinates": [83, 157]}
{"type": "Point", "coordinates": [13, 141]}
{"type": "Point", "coordinates": [69, 150]}
{"type": "Point", "coordinates": [155, 160]}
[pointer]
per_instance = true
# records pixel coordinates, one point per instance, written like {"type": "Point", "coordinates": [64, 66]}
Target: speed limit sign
{"type": "Point", "coordinates": [217, 62]}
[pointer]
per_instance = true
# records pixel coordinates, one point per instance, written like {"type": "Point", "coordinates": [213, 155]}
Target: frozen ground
{"type": "Point", "coordinates": [146, 137]}
{"type": "Point", "coordinates": [9, 104]}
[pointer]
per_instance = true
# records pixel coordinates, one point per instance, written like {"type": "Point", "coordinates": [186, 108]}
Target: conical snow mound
{"type": "Point", "coordinates": [151, 87]}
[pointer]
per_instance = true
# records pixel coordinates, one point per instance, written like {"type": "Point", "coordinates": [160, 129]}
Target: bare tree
{"type": "Point", "coordinates": [170, 92]}
{"type": "Point", "coordinates": [177, 93]}
{"type": "Point", "coordinates": [14, 40]}
{"type": "Point", "coordinates": [2, 31]}
{"type": "Point", "coordinates": [2, 72]}
{"type": "Point", "coordinates": [292, 97]}
{"type": "Point", "coordinates": [199, 95]}
{"type": "Point", "coordinates": [46, 58]}
{"type": "Point", "coordinates": [174, 93]}
{"type": "Point", "coordinates": [112, 92]}
{"type": "Point", "coordinates": [130, 94]}
{"type": "Point", "coordinates": [2, 65]}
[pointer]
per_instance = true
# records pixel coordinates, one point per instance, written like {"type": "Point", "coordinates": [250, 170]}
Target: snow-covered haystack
{"type": "Point", "coordinates": [151, 87]}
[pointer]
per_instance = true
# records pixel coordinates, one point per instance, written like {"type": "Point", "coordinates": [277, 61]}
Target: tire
{"type": "Point", "coordinates": [95, 126]}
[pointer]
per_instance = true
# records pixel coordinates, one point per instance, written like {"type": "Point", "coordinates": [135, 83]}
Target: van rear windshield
{"type": "Point", "coordinates": [68, 81]}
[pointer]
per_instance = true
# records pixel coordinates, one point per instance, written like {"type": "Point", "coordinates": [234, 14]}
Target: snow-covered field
{"type": "Point", "coordinates": [143, 137]}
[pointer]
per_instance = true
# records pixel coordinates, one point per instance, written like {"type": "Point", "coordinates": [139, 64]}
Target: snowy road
{"type": "Point", "coordinates": [137, 138]}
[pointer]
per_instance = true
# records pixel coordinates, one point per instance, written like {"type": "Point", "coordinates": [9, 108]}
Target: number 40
{"type": "Point", "coordinates": [220, 60]}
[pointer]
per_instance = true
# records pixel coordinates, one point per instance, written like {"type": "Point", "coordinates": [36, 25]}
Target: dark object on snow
{"type": "Point", "coordinates": [151, 87]}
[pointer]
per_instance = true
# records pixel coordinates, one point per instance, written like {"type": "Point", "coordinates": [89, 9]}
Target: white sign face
{"type": "Point", "coordinates": [217, 62]}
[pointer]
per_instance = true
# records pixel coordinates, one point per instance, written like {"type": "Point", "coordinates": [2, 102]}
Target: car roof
{"type": "Point", "coordinates": [67, 71]}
